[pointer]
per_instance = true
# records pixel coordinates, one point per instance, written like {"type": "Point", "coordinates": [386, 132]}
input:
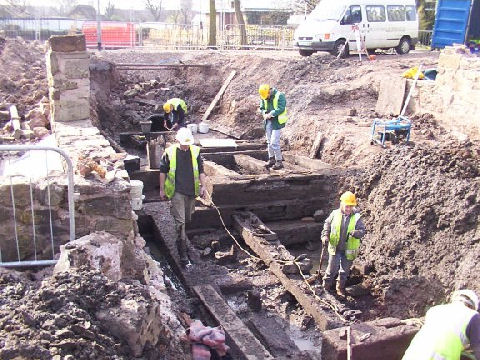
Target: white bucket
{"type": "Point", "coordinates": [136, 189]}
{"type": "Point", "coordinates": [193, 128]}
{"type": "Point", "coordinates": [203, 128]}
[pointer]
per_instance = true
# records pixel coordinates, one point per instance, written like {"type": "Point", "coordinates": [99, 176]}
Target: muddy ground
{"type": "Point", "coordinates": [420, 201]}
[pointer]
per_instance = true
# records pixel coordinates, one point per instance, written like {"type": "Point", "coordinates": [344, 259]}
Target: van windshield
{"type": "Point", "coordinates": [327, 10]}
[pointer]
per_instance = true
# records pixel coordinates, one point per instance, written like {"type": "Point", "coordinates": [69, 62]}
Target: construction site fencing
{"type": "Point", "coordinates": [28, 236]}
{"type": "Point", "coordinates": [259, 36]}
{"type": "Point", "coordinates": [121, 34]}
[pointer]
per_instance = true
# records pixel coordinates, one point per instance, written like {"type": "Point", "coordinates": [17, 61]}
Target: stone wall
{"type": "Point", "coordinates": [68, 78]}
{"type": "Point", "coordinates": [102, 198]}
{"type": "Point", "coordinates": [454, 97]}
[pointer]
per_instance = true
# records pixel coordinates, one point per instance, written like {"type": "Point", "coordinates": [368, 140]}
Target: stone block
{"type": "Point", "coordinates": [449, 61]}
{"type": "Point", "coordinates": [70, 109]}
{"type": "Point", "coordinates": [67, 43]}
{"type": "Point", "coordinates": [75, 68]}
{"type": "Point", "coordinates": [109, 205]}
{"type": "Point", "coordinates": [21, 193]}
{"type": "Point", "coordinates": [52, 65]}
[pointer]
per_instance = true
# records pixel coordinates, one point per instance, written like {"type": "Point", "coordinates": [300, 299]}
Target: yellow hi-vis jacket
{"type": "Point", "coordinates": [282, 118]}
{"type": "Point", "coordinates": [170, 178]}
{"type": "Point", "coordinates": [443, 336]}
{"type": "Point", "coordinates": [176, 102]}
{"type": "Point", "coordinates": [353, 244]}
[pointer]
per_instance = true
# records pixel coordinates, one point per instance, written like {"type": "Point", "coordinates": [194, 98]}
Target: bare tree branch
{"type": "Point", "coordinates": [109, 10]}
{"type": "Point", "coordinates": [155, 8]}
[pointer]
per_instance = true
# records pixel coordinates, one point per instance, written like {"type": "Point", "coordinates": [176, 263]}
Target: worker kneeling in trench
{"type": "Point", "coordinates": [448, 330]}
{"type": "Point", "coordinates": [342, 232]}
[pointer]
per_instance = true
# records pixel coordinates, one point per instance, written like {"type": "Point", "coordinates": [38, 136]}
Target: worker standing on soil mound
{"type": "Point", "coordinates": [448, 330]}
{"type": "Point", "coordinates": [342, 231]}
{"type": "Point", "coordinates": [175, 111]}
{"type": "Point", "coordinates": [273, 108]}
{"type": "Point", "coordinates": [182, 179]}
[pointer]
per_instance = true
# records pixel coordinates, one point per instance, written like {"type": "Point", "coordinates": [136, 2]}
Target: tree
{"type": "Point", "coordinates": [241, 22]}
{"type": "Point", "coordinates": [65, 7]}
{"type": "Point", "coordinates": [298, 6]}
{"type": "Point", "coordinates": [109, 10]}
{"type": "Point", "coordinates": [213, 25]}
{"type": "Point", "coordinates": [16, 8]}
{"type": "Point", "coordinates": [186, 11]}
{"type": "Point", "coordinates": [155, 8]}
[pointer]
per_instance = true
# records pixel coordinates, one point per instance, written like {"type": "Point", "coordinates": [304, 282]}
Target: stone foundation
{"type": "Point", "coordinates": [454, 97]}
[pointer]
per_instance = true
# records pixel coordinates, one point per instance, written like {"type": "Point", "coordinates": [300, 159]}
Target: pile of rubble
{"type": "Point", "coordinates": [106, 299]}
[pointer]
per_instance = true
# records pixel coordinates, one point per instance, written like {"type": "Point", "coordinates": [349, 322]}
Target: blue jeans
{"type": "Point", "coordinates": [337, 265]}
{"type": "Point", "coordinates": [273, 141]}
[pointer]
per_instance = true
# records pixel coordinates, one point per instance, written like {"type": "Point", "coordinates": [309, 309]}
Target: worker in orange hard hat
{"type": "Point", "coordinates": [342, 232]}
{"type": "Point", "coordinates": [274, 111]}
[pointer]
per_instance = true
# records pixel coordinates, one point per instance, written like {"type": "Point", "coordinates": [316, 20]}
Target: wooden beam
{"type": "Point", "coordinates": [219, 95]}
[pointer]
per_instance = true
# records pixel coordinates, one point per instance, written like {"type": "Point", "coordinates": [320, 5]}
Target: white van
{"type": "Point", "coordinates": [383, 24]}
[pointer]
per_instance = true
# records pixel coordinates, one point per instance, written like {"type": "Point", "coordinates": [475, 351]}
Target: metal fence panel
{"type": "Point", "coordinates": [39, 215]}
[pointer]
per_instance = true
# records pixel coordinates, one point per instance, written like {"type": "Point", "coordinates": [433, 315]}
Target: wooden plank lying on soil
{"type": "Point", "coordinates": [219, 95]}
{"type": "Point", "coordinates": [268, 252]}
{"type": "Point", "coordinates": [237, 333]}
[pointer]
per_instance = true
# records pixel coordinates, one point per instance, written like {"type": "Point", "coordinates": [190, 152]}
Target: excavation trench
{"type": "Point", "coordinates": [250, 283]}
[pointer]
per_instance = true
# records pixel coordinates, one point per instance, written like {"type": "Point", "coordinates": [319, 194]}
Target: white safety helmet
{"type": "Point", "coordinates": [184, 136]}
{"type": "Point", "coordinates": [468, 297]}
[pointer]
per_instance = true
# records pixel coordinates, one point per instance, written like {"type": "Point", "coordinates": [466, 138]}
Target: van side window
{"type": "Point", "coordinates": [396, 13]}
{"type": "Point", "coordinates": [411, 13]}
{"type": "Point", "coordinates": [353, 15]}
{"type": "Point", "coordinates": [375, 13]}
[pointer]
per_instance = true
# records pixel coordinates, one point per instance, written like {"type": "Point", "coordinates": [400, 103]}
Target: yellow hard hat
{"type": "Point", "coordinates": [167, 107]}
{"type": "Point", "coordinates": [264, 91]}
{"type": "Point", "coordinates": [348, 198]}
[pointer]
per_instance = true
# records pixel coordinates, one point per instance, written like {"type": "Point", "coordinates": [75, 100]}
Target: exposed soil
{"type": "Point", "coordinates": [420, 201]}
{"type": "Point", "coordinates": [23, 79]}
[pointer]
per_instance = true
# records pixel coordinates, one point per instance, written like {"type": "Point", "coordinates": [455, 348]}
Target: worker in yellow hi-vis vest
{"type": "Point", "coordinates": [342, 232]}
{"type": "Point", "coordinates": [273, 107]}
{"type": "Point", "coordinates": [448, 330]}
{"type": "Point", "coordinates": [175, 111]}
{"type": "Point", "coordinates": [181, 180]}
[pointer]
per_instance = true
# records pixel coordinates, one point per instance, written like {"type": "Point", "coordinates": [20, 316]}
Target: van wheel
{"type": "Point", "coordinates": [306, 52]}
{"type": "Point", "coordinates": [341, 47]}
{"type": "Point", "coordinates": [404, 46]}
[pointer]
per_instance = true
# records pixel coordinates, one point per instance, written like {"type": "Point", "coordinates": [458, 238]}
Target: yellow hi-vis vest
{"type": "Point", "coordinates": [282, 118]}
{"type": "Point", "coordinates": [178, 102]}
{"type": "Point", "coordinates": [351, 249]}
{"type": "Point", "coordinates": [170, 179]}
{"type": "Point", "coordinates": [443, 337]}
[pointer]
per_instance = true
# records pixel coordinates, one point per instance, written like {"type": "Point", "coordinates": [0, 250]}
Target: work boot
{"type": "Point", "coordinates": [278, 165]}
{"type": "Point", "coordinates": [182, 247]}
{"type": "Point", "coordinates": [270, 163]}
{"type": "Point", "coordinates": [327, 285]}
{"type": "Point", "coordinates": [341, 289]}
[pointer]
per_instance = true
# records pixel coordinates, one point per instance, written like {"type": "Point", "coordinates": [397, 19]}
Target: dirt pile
{"type": "Point", "coordinates": [421, 204]}
{"type": "Point", "coordinates": [23, 80]}
{"type": "Point", "coordinates": [57, 317]}
{"type": "Point", "coordinates": [104, 300]}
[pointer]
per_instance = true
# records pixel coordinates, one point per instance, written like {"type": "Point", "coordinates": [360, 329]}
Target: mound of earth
{"type": "Point", "coordinates": [421, 204]}
{"type": "Point", "coordinates": [23, 79]}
